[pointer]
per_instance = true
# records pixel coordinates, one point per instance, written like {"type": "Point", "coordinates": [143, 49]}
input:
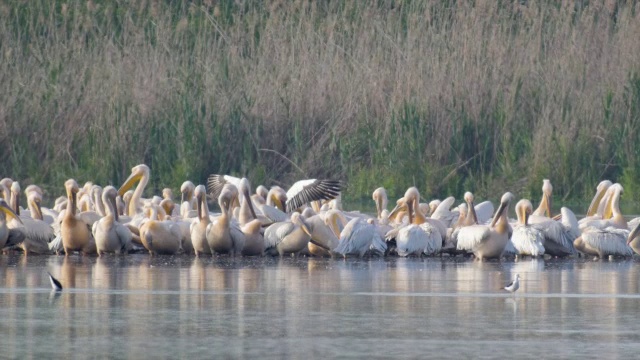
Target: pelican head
{"type": "Point", "coordinates": [7, 211]}
{"type": "Point", "coordinates": [167, 193]}
{"type": "Point", "coordinates": [381, 200]}
{"type": "Point", "coordinates": [6, 182]}
{"type": "Point", "coordinates": [277, 197]}
{"type": "Point", "coordinates": [71, 186]}
{"type": "Point", "coordinates": [433, 205]}
{"type": "Point", "coordinates": [15, 187]}
{"type": "Point", "coordinates": [227, 195]}
{"type": "Point", "coordinates": [601, 189]}
{"type": "Point", "coordinates": [468, 197]}
{"type": "Point", "coordinates": [87, 187]}
{"type": "Point", "coordinates": [32, 188]}
{"type": "Point", "coordinates": [109, 194]}
{"type": "Point", "coordinates": [186, 189]}
{"type": "Point", "coordinates": [137, 172]}
{"type": "Point", "coordinates": [504, 207]}
{"type": "Point", "coordinates": [35, 199]}
{"type": "Point", "coordinates": [524, 210]}
{"type": "Point", "coordinates": [547, 191]}
{"type": "Point", "coordinates": [262, 191]}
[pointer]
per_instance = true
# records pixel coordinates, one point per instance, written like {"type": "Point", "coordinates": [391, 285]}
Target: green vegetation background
{"type": "Point", "coordinates": [449, 96]}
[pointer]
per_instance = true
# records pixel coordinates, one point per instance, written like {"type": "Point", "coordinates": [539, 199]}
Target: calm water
{"type": "Point", "coordinates": [137, 306]}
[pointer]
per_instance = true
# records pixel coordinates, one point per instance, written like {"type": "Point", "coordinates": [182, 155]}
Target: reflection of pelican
{"type": "Point", "coordinates": [488, 241]}
{"type": "Point", "coordinates": [199, 227]}
{"type": "Point", "coordinates": [606, 237]}
{"type": "Point", "coordinates": [109, 234]}
{"type": "Point", "coordinates": [76, 234]}
{"type": "Point", "coordinates": [288, 237]}
{"type": "Point", "coordinates": [526, 239]}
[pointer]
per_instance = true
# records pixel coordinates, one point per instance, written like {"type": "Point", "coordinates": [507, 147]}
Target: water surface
{"type": "Point", "coordinates": [139, 307]}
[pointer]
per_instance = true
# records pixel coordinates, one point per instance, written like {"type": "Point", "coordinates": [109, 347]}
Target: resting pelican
{"type": "Point", "coordinates": [443, 213]}
{"type": "Point", "coordinates": [593, 212]}
{"type": "Point", "coordinates": [488, 241]}
{"type": "Point", "coordinates": [199, 227]}
{"type": "Point", "coordinates": [38, 234]}
{"type": "Point", "coordinates": [545, 204]}
{"type": "Point", "coordinates": [109, 234]}
{"type": "Point", "coordinates": [468, 216]}
{"type": "Point", "coordinates": [526, 239]}
{"type": "Point", "coordinates": [606, 237]}
{"type": "Point", "coordinates": [8, 237]}
{"type": "Point", "coordinates": [323, 234]}
{"type": "Point", "coordinates": [159, 237]}
{"type": "Point", "coordinates": [75, 232]}
{"type": "Point", "coordinates": [250, 225]}
{"type": "Point", "coordinates": [356, 238]}
{"type": "Point", "coordinates": [289, 237]}
{"type": "Point", "coordinates": [222, 236]}
{"type": "Point", "coordinates": [422, 235]}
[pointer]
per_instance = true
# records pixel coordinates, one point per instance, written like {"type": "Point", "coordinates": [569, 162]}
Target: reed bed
{"type": "Point", "coordinates": [449, 96]}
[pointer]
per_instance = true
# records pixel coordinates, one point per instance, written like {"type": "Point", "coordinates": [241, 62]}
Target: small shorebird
{"type": "Point", "coordinates": [55, 284]}
{"type": "Point", "coordinates": [514, 285]}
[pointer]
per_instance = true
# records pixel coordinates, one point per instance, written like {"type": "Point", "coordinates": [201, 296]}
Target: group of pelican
{"type": "Point", "coordinates": [308, 219]}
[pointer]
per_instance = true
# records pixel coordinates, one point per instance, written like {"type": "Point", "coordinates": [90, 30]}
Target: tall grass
{"type": "Point", "coordinates": [445, 95]}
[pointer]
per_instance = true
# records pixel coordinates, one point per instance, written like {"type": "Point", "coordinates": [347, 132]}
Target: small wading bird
{"type": "Point", "coordinates": [55, 284]}
{"type": "Point", "coordinates": [513, 286]}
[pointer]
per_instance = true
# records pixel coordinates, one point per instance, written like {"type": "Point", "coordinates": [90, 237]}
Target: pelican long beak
{"type": "Point", "coordinates": [471, 211]}
{"type": "Point", "coordinates": [633, 234]}
{"type": "Point", "coordinates": [183, 197]}
{"type": "Point", "coordinates": [38, 209]}
{"type": "Point", "coordinates": [498, 214]}
{"type": "Point", "coordinates": [593, 207]}
{"type": "Point", "coordinates": [378, 205]}
{"type": "Point", "coordinates": [131, 180]}
{"type": "Point", "coordinates": [304, 227]}
{"type": "Point", "coordinates": [410, 210]}
{"type": "Point", "coordinates": [548, 203]}
{"type": "Point", "coordinates": [400, 205]}
{"type": "Point", "coordinates": [525, 216]}
{"type": "Point", "coordinates": [9, 212]}
{"type": "Point", "coordinates": [247, 198]}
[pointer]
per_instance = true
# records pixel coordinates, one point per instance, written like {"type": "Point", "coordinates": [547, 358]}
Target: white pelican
{"type": "Point", "coordinates": [140, 175]}
{"type": "Point", "coordinates": [199, 227]}
{"type": "Point", "coordinates": [443, 213]}
{"type": "Point", "coordinates": [609, 236]}
{"type": "Point", "coordinates": [422, 235]}
{"type": "Point", "coordinates": [488, 241]}
{"type": "Point", "coordinates": [633, 240]}
{"type": "Point", "coordinates": [75, 232]}
{"type": "Point", "coordinates": [381, 200]}
{"type": "Point", "coordinates": [109, 234]}
{"type": "Point", "coordinates": [222, 236]}
{"type": "Point", "coordinates": [544, 209]}
{"type": "Point", "coordinates": [250, 225]}
{"type": "Point", "coordinates": [8, 237]}
{"type": "Point", "coordinates": [526, 239]}
{"type": "Point", "coordinates": [468, 216]}
{"type": "Point", "coordinates": [38, 234]}
{"type": "Point", "coordinates": [159, 237]}
{"type": "Point", "coordinates": [289, 237]}
{"type": "Point", "coordinates": [596, 208]}
{"type": "Point", "coordinates": [356, 238]}
{"type": "Point", "coordinates": [323, 233]}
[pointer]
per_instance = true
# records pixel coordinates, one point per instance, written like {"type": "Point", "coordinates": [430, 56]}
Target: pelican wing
{"type": "Point", "coordinates": [216, 182]}
{"type": "Point", "coordinates": [125, 236]}
{"type": "Point", "coordinates": [411, 240]}
{"type": "Point", "coordinates": [306, 191]}
{"type": "Point", "coordinates": [443, 213]}
{"type": "Point", "coordinates": [276, 232]}
{"type": "Point", "coordinates": [471, 236]}
{"type": "Point", "coordinates": [435, 238]}
{"type": "Point", "coordinates": [610, 241]}
{"type": "Point", "coordinates": [355, 238]}
{"type": "Point", "coordinates": [273, 213]}
{"type": "Point", "coordinates": [570, 223]}
{"type": "Point", "coordinates": [527, 240]}
{"type": "Point", "coordinates": [484, 211]}
{"type": "Point", "coordinates": [237, 236]}
{"type": "Point", "coordinates": [633, 223]}
{"type": "Point", "coordinates": [553, 231]}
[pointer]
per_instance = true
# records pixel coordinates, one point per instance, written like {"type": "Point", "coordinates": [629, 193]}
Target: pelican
{"type": "Point", "coordinates": [199, 227]}
{"type": "Point", "coordinates": [38, 234]}
{"type": "Point", "coordinates": [633, 240]}
{"type": "Point", "coordinates": [75, 232]}
{"type": "Point", "coordinates": [250, 225]}
{"type": "Point", "coordinates": [468, 216]}
{"type": "Point", "coordinates": [139, 173]}
{"type": "Point", "coordinates": [273, 210]}
{"type": "Point", "coordinates": [187, 210]}
{"type": "Point", "coordinates": [526, 239]}
{"type": "Point", "coordinates": [8, 237]}
{"type": "Point", "coordinates": [422, 235]}
{"type": "Point", "coordinates": [109, 234]}
{"type": "Point", "coordinates": [443, 213]}
{"type": "Point", "coordinates": [289, 237]}
{"type": "Point", "coordinates": [323, 233]}
{"type": "Point", "coordinates": [488, 241]}
{"type": "Point", "coordinates": [222, 236]}
{"type": "Point", "coordinates": [607, 237]}
{"type": "Point", "coordinates": [545, 204]}
{"type": "Point", "coordinates": [593, 212]}
{"type": "Point", "coordinates": [356, 238]}
{"type": "Point", "coordinates": [160, 237]}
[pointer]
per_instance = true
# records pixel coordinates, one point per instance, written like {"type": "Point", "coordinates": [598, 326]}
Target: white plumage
{"type": "Point", "coordinates": [356, 238]}
{"type": "Point", "coordinates": [527, 240]}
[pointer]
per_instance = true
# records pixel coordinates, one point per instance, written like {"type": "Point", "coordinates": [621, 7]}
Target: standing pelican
{"type": "Point", "coordinates": [356, 238]}
{"type": "Point", "coordinates": [289, 237]}
{"type": "Point", "coordinates": [139, 173]}
{"type": "Point", "coordinates": [223, 236]}
{"type": "Point", "coordinates": [422, 235]}
{"type": "Point", "coordinates": [488, 241]}
{"type": "Point", "coordinates": [593, 212]}
{"type": "Point", "coordinates": [199, 227]}
{"type": "Point", "coordinates": [75, 232]}
{"type": "Point", "coordinates": [607, 237]}
{"type": "Point", "coordinates": [109, 234]}
{"type": "Point", "coordinates": [250, 225]}
{"type": "Point", "coordinates": [38, 234]}
{"type": "Point", "coordinates": [526, 239]}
